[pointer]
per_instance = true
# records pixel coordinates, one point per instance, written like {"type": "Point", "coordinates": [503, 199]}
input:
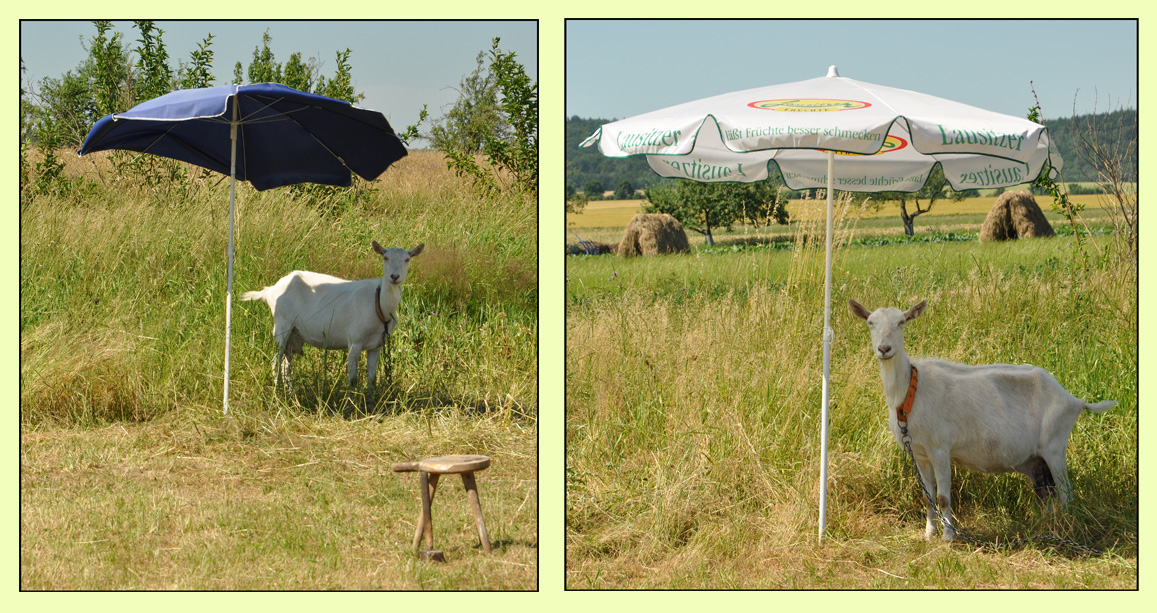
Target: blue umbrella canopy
{"type": "Point", "coordinates": [284, 136]}
{"type": "Point", "coordinates": [265, 133]}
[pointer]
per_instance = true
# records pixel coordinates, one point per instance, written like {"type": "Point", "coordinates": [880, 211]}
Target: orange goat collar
{"type": "Point", "coordinates": [378, 305]}
{"type": "Point", "coordinates": [906, 406]}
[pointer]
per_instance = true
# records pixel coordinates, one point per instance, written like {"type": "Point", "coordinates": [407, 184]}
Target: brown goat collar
{"type": "Point", "coordinates": [378, 304]}
{"type": "Point", "coordinates": [906, 406]}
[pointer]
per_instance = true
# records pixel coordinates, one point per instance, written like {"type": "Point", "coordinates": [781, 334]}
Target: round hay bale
{"type": "Point", "coordinates": [1015, 215]}
{"type": "Point", "coordinates": [653, 234]}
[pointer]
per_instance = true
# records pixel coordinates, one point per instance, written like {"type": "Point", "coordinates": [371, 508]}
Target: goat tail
{"type": "Point", "coordinates": [1101, 406]}
{"type": "Point", "coordinates": [258, 295]}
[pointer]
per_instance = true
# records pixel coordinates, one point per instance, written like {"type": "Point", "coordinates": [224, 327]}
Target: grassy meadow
{"type": "Point", "coordinates": [693, 405]}
{"type": "Point", "coordinates": [131, 477]}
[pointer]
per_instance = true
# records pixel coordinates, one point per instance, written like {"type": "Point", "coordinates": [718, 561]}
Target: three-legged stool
{"type": "Point", "coordinates": [429, 470]}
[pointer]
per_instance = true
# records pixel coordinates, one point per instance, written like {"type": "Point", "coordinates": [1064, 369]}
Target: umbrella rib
{"type": "Point", "coordinates": [285, 116]}
{"type": "Point", "coordinates": [323, 145]}
{"type": "Point", "coordinates": [269, 102]}
{"type": "Point", "coordinates": [155, 141]}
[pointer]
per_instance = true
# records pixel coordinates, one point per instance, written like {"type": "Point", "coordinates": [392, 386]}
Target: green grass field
{"type": "Point", "coordinates": [131, 477]}
{"type": "Point", "coordinates": [693, 402]}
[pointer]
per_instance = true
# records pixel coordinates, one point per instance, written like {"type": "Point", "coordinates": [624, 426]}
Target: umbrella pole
{"type": "Point", "coordinates": [229, 286]}
{"type": "Point", "coordinates": [827, 348]}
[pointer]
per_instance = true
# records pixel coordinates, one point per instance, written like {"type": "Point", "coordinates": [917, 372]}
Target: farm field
{"type": "Point", "coordinates": [604, 220]}
{"type": "Point", "coordinates": [693, 401]}
{"type": "Point", "coordinates": [132, 479]}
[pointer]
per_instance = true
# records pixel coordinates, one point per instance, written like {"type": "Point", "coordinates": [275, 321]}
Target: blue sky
{"type": "Point", "coordinates": [616, 69]}
{"type": "Point", "coordinates": [398, 65]}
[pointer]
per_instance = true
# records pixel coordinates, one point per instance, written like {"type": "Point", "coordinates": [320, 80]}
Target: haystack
{"type": "Point", "coordinates": [652, 234]}
{"type": "Point", "coordinates": [1015, 215]}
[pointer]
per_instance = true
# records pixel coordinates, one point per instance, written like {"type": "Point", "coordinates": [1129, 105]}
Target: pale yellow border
{"type": "Point", "coordinates": [551, 597]}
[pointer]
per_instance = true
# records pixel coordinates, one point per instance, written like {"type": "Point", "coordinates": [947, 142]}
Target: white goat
{"type": "Point", "coordinates": [332, 313]}
{"type": "Point", "coordinates": [993, 418]}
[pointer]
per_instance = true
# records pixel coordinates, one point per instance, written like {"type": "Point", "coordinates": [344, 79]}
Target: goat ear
{"type": "Point", "coordinates": [416, 250]}
{"type": "Point", "coordinates": [858, 309]}
{"type": "Point", "coordinates": [381, 250]}
{"type": "Point", "coordinates": [915, 311]}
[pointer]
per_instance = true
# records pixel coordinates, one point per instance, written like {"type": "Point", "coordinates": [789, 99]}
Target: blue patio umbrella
{"type": "Point", "coordinates": [265, 133]}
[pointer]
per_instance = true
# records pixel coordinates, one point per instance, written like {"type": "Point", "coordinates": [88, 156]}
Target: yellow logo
{"type": "Point", "coordinates": [808, 105]}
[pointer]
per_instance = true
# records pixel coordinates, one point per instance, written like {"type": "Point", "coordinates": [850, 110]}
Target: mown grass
{"type": "Point", "coordinates": [693, 401]}
{"type": "Point", "coordinates": [132, 479]}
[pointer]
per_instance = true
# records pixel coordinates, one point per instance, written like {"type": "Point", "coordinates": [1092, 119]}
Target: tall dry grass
{"type": "Point", "coordinates": [131, 478]}
{"type": "Point", "coordinates": [693, 404]}
{"type": "Point", "coordinates": [123, 292]}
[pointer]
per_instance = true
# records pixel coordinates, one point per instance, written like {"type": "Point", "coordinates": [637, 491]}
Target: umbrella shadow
{"type": "Point", "coordinates": [390, 397]}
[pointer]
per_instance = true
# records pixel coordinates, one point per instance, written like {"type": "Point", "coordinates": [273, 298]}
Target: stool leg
{"type": "Point", "coordinates": [476, 509]}
{"type": "Point", "coordinates": [430, 516]}
{"type": "Point", "coordinates": [425, 520]}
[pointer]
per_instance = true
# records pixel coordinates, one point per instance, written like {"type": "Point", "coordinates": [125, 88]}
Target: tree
{"type": "Point", "coordinates": [155, 78]}
{"type": "Point", "coordinates": [510, 143]}
{"type": "Point", "coordinates": [936, 187]}
{"type": "Point", "coordinates": [704, 207]}
{"type": "Point", "coordinates": [298, 74]}
{"type": "Point", "coordinates": [576, 201]}
{"type": "Point", "coordinates": [624, 191]}
{"type": "Point", "coordinates": [263, 68]}
{"type": "Point", "coordinates": [474, 115]}
{"type": "Point", "coordinates": [340, 87]}
{"type": "Point", "coordinates": [197, 74]}
{"type": "Point", "coordinates": [65, 107]}
{"type": "Point", "coordinates": [110, 71]}
{"type": "Point", "coordinates": [1108, 144]}
{"type": "Point", "coordinates": [594, 189]}
{"type": "Point", "coordinates": [516, 151]}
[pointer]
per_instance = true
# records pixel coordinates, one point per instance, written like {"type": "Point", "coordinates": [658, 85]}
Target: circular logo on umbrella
{"type": "Point", "coordinates": [808, 105]}
{"type": "Point", "coordinates": [892, 143]}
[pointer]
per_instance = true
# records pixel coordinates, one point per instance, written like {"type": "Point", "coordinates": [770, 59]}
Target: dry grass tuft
{"type": "Point", "coordinates": [85, 379]}
{"type": "Point", "coordinates": [131, 478]}
{"type": "Point", "coordinates": [693, 401]}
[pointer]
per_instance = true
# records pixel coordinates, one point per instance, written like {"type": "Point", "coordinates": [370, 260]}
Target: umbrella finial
{"type": "Point", "coordinates": [833, 71]}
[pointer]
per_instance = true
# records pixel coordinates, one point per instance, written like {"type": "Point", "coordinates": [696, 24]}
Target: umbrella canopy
{"type": "Point", "coordinates": [887, 139]}
{"type": "Point", "coordinates": [284, 136]}
{"type": "Point", "coordinates": [265, 133]}
{"type": "Point", "coordinates": [896, 136]}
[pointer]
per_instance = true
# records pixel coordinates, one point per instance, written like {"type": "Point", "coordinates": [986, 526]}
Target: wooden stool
{"type": "Point", "coordinates": [429, 470]}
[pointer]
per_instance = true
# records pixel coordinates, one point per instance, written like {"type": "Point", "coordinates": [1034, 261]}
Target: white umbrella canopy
{"type": "Point", "coordinates": [888, 139]}
{"type": "Point", "coordinates": [737, 137]}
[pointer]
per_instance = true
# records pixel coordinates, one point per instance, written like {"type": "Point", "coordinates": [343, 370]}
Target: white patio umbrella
{"type": "Point", "coordinates": [893, 138]}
